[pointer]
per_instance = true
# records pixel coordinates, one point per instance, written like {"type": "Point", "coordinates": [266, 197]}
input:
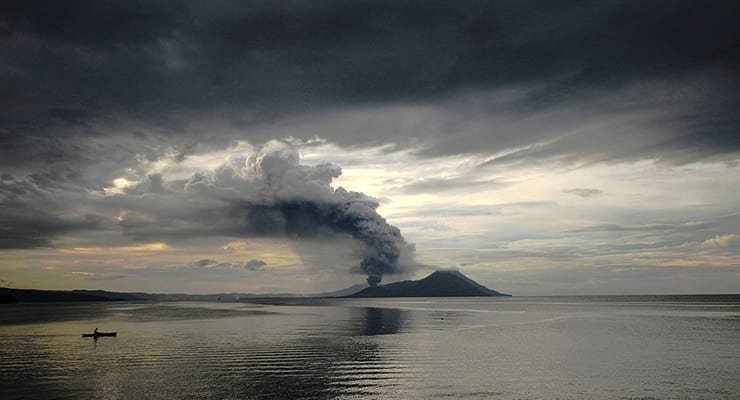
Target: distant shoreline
{"type": "Point", "coordinates": [13, 295]}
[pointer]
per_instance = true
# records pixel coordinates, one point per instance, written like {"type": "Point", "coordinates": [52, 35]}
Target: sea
{"type": "Point", "coordinates": [602, 347]}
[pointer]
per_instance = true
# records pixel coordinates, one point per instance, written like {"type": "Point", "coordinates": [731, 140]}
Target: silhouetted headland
{"type": "Point", "coordinates": [11, 295]}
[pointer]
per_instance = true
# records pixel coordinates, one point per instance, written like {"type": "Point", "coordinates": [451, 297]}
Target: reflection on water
{"type": "Point", "coordinates": [382, 321]}
{"type": "Point", "coordinates": [419, 348]}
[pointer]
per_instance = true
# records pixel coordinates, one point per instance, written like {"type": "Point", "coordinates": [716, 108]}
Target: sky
{"type": "Point", "coordinates": [539, 147]}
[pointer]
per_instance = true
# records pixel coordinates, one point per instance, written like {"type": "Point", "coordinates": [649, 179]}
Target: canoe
{"type": "Point", "coordinates": [94, 335]}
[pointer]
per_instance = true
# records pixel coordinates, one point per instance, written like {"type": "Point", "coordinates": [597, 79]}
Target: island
{"type": "Point", "coordinates": [442, 283]}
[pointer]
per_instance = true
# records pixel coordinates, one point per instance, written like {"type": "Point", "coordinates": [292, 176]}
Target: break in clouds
{"type": "Point", "coordinates": [251, 265]}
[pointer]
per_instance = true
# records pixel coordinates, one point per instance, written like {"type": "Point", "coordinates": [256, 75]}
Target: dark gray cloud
{"type": "Point", "coordinates": [33, 211]}
{"type": "Point", "coordinates": [36, 228]}
{"type": "Point", "coordinates": [254, 264]}
{"type": "Point", "coordinates": [206, 262]}
{"type": "Point", "coordinates": [147, 71]}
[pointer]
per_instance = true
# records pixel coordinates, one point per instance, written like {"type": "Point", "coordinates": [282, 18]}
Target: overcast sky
{"type": "Point", "coordinates": [540, 147]}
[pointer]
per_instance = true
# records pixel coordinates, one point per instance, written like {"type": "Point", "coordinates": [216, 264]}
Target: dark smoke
{"type": "Point", "coordinates": [384, 241]}
{"type": "Point", "coordinates": [352, 213]}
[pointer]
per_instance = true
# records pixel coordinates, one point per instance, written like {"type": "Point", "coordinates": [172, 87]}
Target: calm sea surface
{"type": "Point", "coordinates": [649, 347]}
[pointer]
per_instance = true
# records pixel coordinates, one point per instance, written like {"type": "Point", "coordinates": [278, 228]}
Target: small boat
{"type": "Point", "coordinates": [98, 334]}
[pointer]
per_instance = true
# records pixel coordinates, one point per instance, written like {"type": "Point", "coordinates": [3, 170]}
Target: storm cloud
{"type": "Point", "coordinates": [33, 211]}
{"type": "Point", "coordinates": [577, 80]}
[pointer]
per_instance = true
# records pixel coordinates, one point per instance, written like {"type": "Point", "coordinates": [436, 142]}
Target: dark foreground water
{"type": "Point", "coordinates": [669, 347]}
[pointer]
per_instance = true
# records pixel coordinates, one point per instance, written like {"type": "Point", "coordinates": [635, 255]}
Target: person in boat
{"type": "Point", "coordinates": [95, 332]}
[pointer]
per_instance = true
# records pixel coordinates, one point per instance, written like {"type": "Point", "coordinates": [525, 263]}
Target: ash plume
{"type": "Point", "coordinates": [271, 194]}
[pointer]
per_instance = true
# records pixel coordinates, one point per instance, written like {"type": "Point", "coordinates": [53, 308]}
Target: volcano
{"type": "Point", "coordinates": [438, 284]}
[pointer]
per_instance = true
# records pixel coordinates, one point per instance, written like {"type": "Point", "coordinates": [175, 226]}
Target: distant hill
{"type": "Point", "coordinates": [12, 295]}
{"type": "Point", "coordinates": [438, 284]}
{"type": "Point", "coordinates": [9, 295]}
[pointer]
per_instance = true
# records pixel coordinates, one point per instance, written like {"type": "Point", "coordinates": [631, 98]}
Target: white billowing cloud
{"type": "Point", "coordinates": [721, 241]}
